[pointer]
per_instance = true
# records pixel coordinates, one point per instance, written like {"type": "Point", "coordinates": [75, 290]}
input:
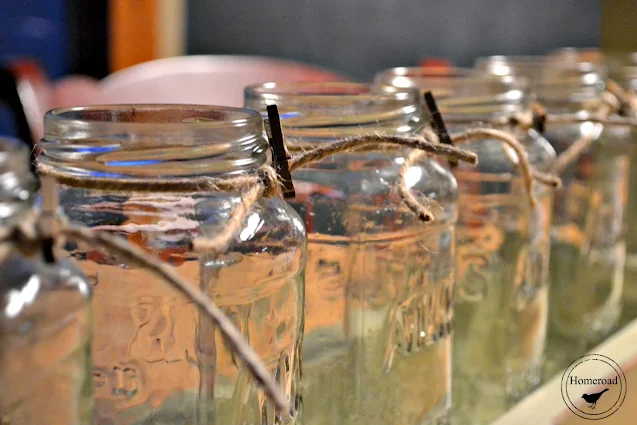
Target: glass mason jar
{"type": "Point", "coordinates": [45, 330]}
{"type": "Point", "coordinates": [590, 55]}
{"type": "Point", "coordinates": [503, 244]}
{"type": "Point", "coordinates": [588, 234]}
{"type": "Point", "coordinates": [379, 282]}
{"type": "Point", "coordinates": [156, 359]}
{"type": "Point", "coordinates": [623, 69]}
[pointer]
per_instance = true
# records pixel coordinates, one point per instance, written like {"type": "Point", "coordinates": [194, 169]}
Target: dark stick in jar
{"type": "Point", "coordinates": [438, 123]}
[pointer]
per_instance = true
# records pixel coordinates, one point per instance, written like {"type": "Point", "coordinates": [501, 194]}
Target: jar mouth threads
{"type": "Point", "coordinates": [408, 77]}
{"type": "Point", "coordinates": [321, 92]}
{"type": "Point", "coordinates": [153, 141]}
{"type": "Point", "coordinates": [557, 81]}
{"type": "Point", "coordinates": [323, 111]}
{"type": "Point", "coordinates": [166, 115]}
{"type": "Point", "coordinates": [460, 94]}
{"type": "Point", "coordinates": [510, 65]}
{"type": "Point", "coordinates": [577, 54]}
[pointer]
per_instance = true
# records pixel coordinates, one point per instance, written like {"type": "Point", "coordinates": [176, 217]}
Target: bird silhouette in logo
{"type": "Point", "coordinates": [592, 398]}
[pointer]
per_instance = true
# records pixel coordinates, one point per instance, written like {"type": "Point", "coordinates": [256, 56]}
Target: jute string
{"type": "Point", "coordinates": [627, 98]}
{"type": "Point", "coordinates": [518, 158]}
{"type": "Point", "coordinates": [609, 105]}
{"type": "Point", "coordinates": [38, 229]}
{"type": "Point", "coordinates": [264, 183]}
{"type": "Point", "coordinates": [31, 234]}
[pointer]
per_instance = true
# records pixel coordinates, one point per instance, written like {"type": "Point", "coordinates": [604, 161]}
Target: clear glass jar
{"type": "Point", "coordinates": [573, 54]}
{"type": "Point", "coordinates": [501, 304]}
{"type": "Point", "coordinates": [588, 235]}
{"type": "Point", "coordinates": [623, 69]}
{"type": "Point", "coordinates": [45, 329]}
{"type": "Point", "coordinates": [156, 359]}
{"type": "Point", "coordinates": [379, 282]}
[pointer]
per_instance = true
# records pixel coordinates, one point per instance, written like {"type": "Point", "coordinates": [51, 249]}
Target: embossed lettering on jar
{"type": "Point", "coordinates": [379, 282]}
{"type": "Point", "coordinates": [501, 304]}
{"type": "Point", "coordinates": [156, 360]}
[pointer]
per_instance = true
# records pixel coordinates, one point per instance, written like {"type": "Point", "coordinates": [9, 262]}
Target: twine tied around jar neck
{"type": "Point", "coordinates": [516, 154]}
{"type": "Point", "coordinates": [47, 227]}
{"type": "Point", "coordinates": [264, 183]}
{"type": "Point", "coordinates": [608, 106]}
{"type": "Point", "coordinates": [626, 98]}
{"type": "Point", "coordinates": [610, 109]}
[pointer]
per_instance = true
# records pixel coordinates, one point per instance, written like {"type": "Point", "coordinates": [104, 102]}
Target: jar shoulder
{"type": "Point", "coordinates": [33, 289]}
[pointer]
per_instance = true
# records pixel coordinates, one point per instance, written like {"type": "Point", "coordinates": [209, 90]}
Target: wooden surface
{"type": "Point", "coordinates": [546, 407]}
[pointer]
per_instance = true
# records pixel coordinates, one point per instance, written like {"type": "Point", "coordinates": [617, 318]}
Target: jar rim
{"type": "Point", "coordinates": [429, 72]}
{"type": "Point", "coordinates": [513, 58]}
{"type": "Point", "coordinates": [464, 77]}
{"type": "Point", "coordinates": [145, 115]}
{"type": "Point", "coordinates": [343, 92]}
{"type": "Point", "coordinates": [157, 141]}
{"type": "Point", "coordinates": [532, 63]}
{"type": "Point", "coordinates": [557, 81]}
{"type": "Point", "coordinates": [464, 94]}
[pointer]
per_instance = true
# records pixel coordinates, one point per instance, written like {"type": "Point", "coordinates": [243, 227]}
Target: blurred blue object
{"type": "Point", "coordinates": [8, 125]}
{"type": "Point", "coordinates": [34, 29]}
{"type": "Point", "coordinates": [37, 29]}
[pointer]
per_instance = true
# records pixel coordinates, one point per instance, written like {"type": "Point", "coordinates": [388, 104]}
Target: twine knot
{"type": "Point", "coordinates": [270, 180]}
{"type": "Point", "coordinates": [611, 102]}
{"type": "Point", "coordinates": [524, 120]}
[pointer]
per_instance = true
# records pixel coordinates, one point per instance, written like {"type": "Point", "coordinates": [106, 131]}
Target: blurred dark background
{"type": "Point", "coordinates": [360, 37]}
{"type": "Point", "coordinates": [355, 37]}
{"type": "Point", "coordinates": [65, 36]}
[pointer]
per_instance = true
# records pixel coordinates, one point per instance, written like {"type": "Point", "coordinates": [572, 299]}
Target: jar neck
{"type": "Point", "coordinates": [462, 97]}
{"type": "Point", "coordinates": [324, 111]}
{"type": "Point", "coordinates": [564, 90]}
{"type": "Point", "coordinates": [17, 183]}
{"type": "Point", "coordinates": [558, 82]}
{"type": "Point", "coordinates": [623, 69]}
{"type": "Point", "coordinates": [153, 141]}
{"type": "Point", "coordinates": [576, 54]}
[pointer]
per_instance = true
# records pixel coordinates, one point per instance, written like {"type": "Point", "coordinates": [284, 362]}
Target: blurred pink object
{"type": "Point", "coordinates": [212, 80]}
